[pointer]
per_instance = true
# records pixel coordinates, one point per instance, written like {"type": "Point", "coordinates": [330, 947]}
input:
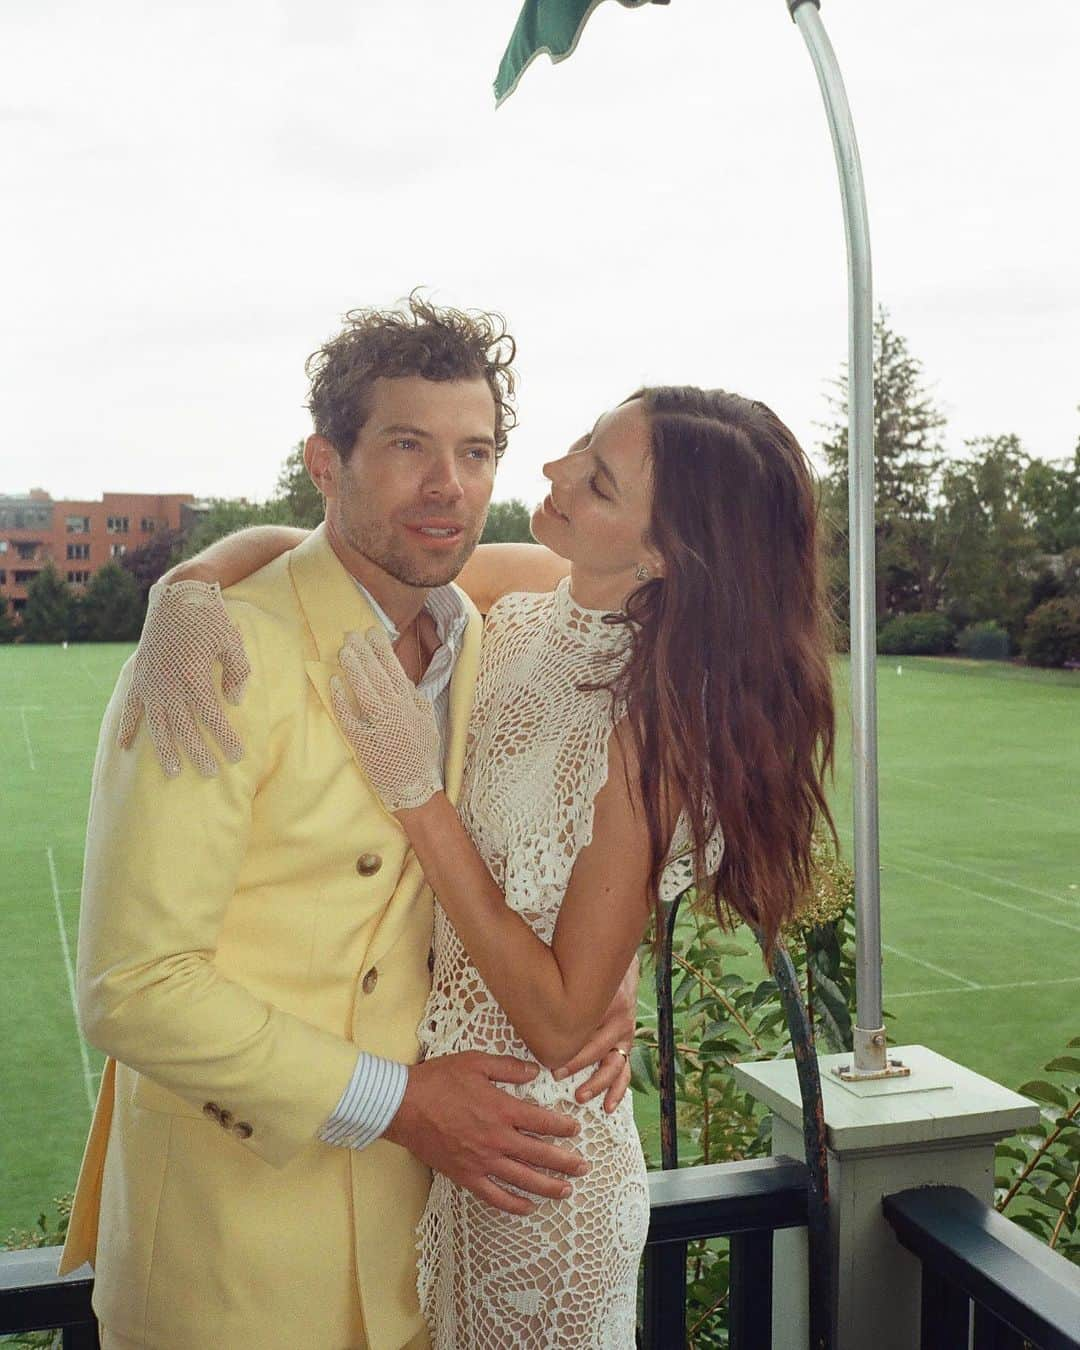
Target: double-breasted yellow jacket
{"type": "Point", "coordinates": [241, 938]}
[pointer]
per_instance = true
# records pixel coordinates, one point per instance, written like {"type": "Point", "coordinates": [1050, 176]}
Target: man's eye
{"type": "Point", "coordinates": [592, 484]}
{"type": "Point", "coordinates": [405, 443]}
{"type": "Point", "coordinates": [480, 452]}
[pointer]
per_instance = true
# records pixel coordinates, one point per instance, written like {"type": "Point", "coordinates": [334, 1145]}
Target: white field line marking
{"type": "Point", "coordinates": [26, 738]}
{"type": "Point", "coordinates": [22, 707]}
{"type": "Point", "coordinates": [970, 792]}
{"type": "Point", "coordinates": [65, 947]}
{"type": "Point", "coordinates": [990, 899]}
{"type": "Point", "coordinates": [929, 965]}
{"type": "Point", "coordinates": [992, 876]}
{"type": "Point", "coordinates": [987, 988]}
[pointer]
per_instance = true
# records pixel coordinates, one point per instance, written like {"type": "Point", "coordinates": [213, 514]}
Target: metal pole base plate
{"type": "Point", "coordinates": [850, 1074]}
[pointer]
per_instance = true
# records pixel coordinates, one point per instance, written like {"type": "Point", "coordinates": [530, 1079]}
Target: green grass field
{"type": "Point", "coordinates": [980, 824]}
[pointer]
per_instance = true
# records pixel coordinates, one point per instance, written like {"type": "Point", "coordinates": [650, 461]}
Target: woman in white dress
{"type": "Point", "coordinates": [664, 715]}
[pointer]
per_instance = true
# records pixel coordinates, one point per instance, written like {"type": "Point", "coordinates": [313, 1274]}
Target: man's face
{"type": "Point", "coordinates": [413, 495]}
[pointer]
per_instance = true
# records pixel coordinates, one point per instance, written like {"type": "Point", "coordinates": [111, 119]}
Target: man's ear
{"type": "Point", "coordinates": [322, 462]}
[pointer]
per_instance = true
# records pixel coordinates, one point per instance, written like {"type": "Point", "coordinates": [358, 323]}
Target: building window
{"type": "Point", "coordinates": [78, 551]}
{"type": "Point", "coordinates": [18, 606]}
{"type": "Point", "coordinates": [3, 577]}
{"type": "Point", "coordinates": [148, 525]}
{"type": "Point", "coordinates": [117, 550]}
{"type": "Point", "coordinates": [3, 545]}
{"type": "Point", "coordinates": [78, 524]}
{"type": "Point", "coordinates": [117, 525]}
{"type": "Point", "coordinates": [24, 578]}
{"type": "Point", "coordinates": [26, 551]}
{"type": "Point", "coordinates": [78, 578]}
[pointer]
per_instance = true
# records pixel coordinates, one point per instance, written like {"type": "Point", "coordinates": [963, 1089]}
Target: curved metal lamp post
{"type": "Point", "coordinates": [871, 1057]}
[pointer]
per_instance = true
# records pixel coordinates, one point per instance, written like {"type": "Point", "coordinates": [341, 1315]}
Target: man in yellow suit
{"type": "Point", "coordinates": [254, 944]}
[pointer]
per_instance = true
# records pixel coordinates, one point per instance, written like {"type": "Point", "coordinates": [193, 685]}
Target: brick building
{"type": "Point", "coordinates": [78, 537]}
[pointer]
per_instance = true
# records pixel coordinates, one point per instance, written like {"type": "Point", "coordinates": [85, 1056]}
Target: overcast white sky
{"type": "Point", "coordinates": [195, 193]}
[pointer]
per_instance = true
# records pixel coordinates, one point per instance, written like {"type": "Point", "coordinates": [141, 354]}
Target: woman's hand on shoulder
{"type": "Point", "coordinates": [495, 570]}
{"type": "Point", "coordinates": [186, 633]}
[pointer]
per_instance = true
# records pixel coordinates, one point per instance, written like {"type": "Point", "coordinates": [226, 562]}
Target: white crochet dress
{"type": "Point", "coordinates": [564, 1277]}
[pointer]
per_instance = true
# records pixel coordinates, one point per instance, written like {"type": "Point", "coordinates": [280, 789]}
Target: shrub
{"type": "Point", "coordinates": [984, 642]}
{"type": "Point", "coordinates": [916, 635]}
{"type": "Point", "coordinates": [1041, 1167]}
{"type": "Point", "coordinates": [1052, 633]}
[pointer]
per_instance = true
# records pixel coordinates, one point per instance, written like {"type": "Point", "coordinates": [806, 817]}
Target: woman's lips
{"type": "Point", "coordinates": [553, 510]}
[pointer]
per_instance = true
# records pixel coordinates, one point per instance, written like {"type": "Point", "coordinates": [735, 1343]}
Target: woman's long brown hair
{"type": "Point", "coordinates": [727, 688]}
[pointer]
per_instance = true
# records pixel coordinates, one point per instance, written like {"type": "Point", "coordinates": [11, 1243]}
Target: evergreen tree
{"type": "Point", "coordinates": [111, 609]}
{"type": "Point", "coordinates": [907, 456]}
{"type": "Point", "coordinates": [8, 628]}
{"type": "Point", "coordinates": [50, 608]}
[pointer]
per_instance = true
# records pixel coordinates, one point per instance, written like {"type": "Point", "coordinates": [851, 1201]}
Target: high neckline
{"type": "Point", "coordinates": [590, 625]}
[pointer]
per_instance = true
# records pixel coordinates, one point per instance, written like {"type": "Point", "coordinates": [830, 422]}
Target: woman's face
{"type": "Point", "coordinates": [597, 512]}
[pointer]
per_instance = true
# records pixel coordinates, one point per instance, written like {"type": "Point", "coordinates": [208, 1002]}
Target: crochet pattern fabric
{"type": "Point", "coordinates": [566, 1275]}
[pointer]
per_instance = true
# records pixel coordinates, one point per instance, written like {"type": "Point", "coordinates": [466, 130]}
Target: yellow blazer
{"type": "Point", "coordinates": [241, 937]}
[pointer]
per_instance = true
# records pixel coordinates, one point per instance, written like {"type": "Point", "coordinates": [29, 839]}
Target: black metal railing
{"type": "Point", "coordinates": [745, 1201]}
{"type": "Point", "coordinates": [975, 1261]}
{"type": "Point", "coordinates": [34, 1298]}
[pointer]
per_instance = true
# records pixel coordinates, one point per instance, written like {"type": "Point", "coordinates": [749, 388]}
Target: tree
{"type": "Point", "coordinates": [907, 457]}
{"type": "Point", "coordinates": [224, 516]}
{"type": "Point", "coordinates": [50, 608]}
{"type": "Point", "coordinates": [1051, 495]}
{"type": "Point", "coordinates": [150, 560]}
{"type": "Point", "coordinates": [985, 545]}
{"type": "Point", "coordinates": [299, 500]}
{"type": "Point", "coordinates": [111, 609]}
{"type": "Point", "coordinates": [507, 523]}
{"type": "Point", "coordinates": [8, 628]}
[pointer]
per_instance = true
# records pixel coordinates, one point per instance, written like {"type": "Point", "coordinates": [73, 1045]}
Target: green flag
{"type": "Point", "coordinates": [551, 26]}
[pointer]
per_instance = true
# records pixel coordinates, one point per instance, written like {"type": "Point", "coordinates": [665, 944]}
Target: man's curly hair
{"type": "Point", "coordinates": [416, 338]}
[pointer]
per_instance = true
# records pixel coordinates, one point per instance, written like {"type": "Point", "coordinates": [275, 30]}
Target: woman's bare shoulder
{"type": "Point", "coordinates": [495, 570]}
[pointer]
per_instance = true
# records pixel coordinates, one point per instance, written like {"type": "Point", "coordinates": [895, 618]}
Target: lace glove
{"type": "Point", "coordinates": [186, 631]}
{"type": "Point", "coordinates": [392, 729]}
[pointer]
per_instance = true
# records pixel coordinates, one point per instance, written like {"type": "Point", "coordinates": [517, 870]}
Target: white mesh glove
{"type": "Point", "coordinates": [392, 728]}
{"type": "Point", "coordinates": [186, 631]}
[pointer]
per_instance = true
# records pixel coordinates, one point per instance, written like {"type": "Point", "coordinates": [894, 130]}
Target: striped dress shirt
{"type": "Point", "coordinates": [374, 1093]}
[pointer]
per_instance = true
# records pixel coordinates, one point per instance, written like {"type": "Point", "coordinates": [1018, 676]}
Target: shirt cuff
{"type": "Point", "coordinates": [368, 1104]}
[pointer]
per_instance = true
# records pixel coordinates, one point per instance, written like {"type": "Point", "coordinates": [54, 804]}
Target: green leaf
{"type": "Point", "coordinates": [1043, 1091]}
{"type": "Point", "coordinates": [1063, 1064]}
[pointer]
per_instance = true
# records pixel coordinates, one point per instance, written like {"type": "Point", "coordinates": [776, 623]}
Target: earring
{"type": "Point", "coordinates": [641, 572]}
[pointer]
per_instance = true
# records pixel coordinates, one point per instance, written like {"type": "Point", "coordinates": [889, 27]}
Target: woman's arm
{"type": "Point", "coordinates": [556, 995]}
{"type": "Point", "coordinates": [235, 557]}
{"type": "Point", "coordinates": [495, 570]}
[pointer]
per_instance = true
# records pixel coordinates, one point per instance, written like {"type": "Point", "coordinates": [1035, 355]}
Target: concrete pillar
{"type": "Point", "coordinates": [936, 1127]}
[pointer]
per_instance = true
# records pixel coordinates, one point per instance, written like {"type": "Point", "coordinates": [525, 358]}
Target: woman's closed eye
{"type": "Point", "coordinates": [592, 484]}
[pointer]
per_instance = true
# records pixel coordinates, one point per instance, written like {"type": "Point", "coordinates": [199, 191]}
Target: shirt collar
{"type": "Point", "coordinates": [443, 603]}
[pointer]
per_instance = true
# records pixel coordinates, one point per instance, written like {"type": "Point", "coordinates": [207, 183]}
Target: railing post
{"type": "Point", "coordinates": [750, 1290]}
{"type": "Point", "coordinates": [665, 1295]}
{"type": "Point", "coordinates": [945, 1313]}
{"type": "Point", "coordinates": [938, 1127]}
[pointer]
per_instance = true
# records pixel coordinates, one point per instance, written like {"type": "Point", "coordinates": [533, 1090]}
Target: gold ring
{"type": "Point", "coordinates": [625, 1053]}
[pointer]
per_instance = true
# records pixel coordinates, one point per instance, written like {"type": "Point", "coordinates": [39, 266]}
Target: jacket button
{"type": "Point", "coordinates": [226, 1118]}
{"type": "Point", "coordinates": [368, 864]}
{"type": "Point", "coordinates": [213, 1111]}
{"type": "Point", "coordinates": [242, 1130]}
{"type": "Point", "coordinates": [371, 979]}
